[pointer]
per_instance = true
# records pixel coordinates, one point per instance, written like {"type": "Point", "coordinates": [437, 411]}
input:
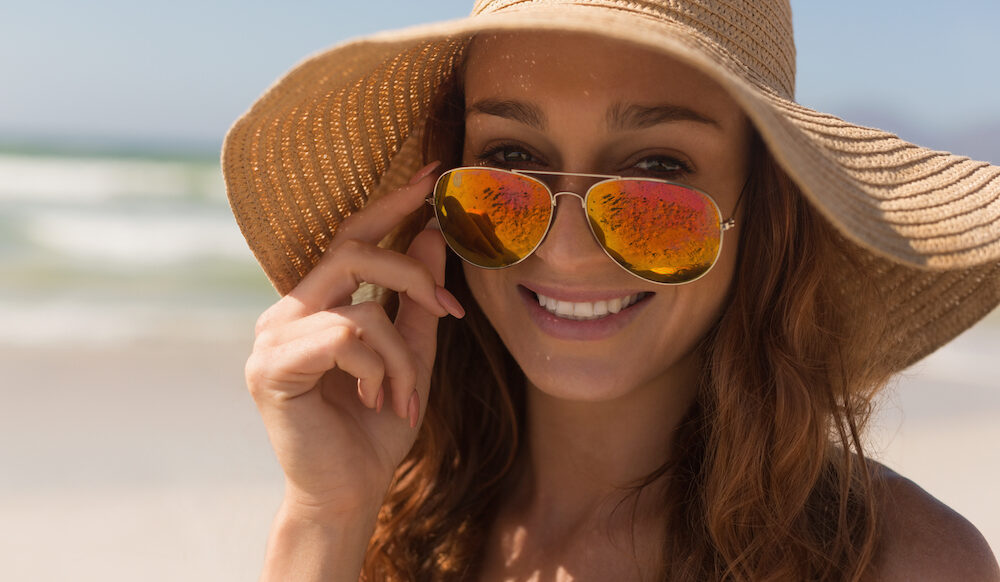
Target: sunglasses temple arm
{"type": "Point", "coordinates": [731, 221]}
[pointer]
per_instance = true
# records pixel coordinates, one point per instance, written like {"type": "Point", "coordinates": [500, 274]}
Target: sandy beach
{"type": "Point", "coordinates": [141, 462]}
{"type": "Point", "coordinates": [146, 461]}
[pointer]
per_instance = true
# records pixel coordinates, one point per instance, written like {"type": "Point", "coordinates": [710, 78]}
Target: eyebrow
{"type": "Point", "coordinates": [620, 117]}
{"type": "Point", "coordinates": [520, 111]}
{"type": "Point", "coordinates": [623, 117]}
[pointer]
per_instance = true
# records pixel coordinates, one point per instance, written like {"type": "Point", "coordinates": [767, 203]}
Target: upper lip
{"type": "Point", "coordinates": [580, 294]}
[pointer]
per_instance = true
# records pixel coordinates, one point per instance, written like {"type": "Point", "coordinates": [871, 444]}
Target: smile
{"type": "Point", "coordinates": [583, 311]}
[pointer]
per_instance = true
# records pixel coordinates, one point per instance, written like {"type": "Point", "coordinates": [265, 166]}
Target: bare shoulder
{"type": "Point", "coordinates": [926, 540]}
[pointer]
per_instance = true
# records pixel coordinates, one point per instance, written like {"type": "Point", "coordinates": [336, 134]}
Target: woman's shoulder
{"type": "Point", "coordinates": [924, 539]}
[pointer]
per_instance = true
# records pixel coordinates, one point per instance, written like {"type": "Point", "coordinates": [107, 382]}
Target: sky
{"type": "Point", "coordinates": [180, 72]}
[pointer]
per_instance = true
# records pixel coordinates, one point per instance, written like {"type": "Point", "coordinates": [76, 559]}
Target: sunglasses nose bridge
{"type": "Point", "coordinates": [556, 195]}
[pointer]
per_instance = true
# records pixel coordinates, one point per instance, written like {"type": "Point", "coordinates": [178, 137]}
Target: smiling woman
{"type": "Point", "coordinates": [619, 394]}
{"type": "Point", "coordinates": [577, 92]}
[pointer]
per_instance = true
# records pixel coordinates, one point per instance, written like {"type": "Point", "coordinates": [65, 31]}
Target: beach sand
{"type": "Point", "coordinates": [147, 461]}
{"type": "Point", "coordinates": [141, 462]}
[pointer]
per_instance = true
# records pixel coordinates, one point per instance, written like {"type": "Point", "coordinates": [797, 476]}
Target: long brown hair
{"type": "Point", "coordinates": [774, 484]}
{"type": "Point", "coordinates": [769, 480]}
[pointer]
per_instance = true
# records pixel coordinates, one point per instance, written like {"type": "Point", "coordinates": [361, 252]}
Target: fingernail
{"type": "Point", "coordinates": [414, 409]}
{"type": "Point", "coordinates": [379, 400]}
{"type": "Point", "coordinates": [433, 224]}
{"type": "Point", "coordinates": [424, 172]}
{"type": "Point", "coordinates": [448, 301]}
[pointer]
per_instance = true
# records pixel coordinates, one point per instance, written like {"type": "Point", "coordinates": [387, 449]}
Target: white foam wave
{"type": "Point", "coordinates": [136, 239]}
{"type": "Point", "coordinates": [68, 323]}
{"type": "Point", "coordinates": [95, 180]}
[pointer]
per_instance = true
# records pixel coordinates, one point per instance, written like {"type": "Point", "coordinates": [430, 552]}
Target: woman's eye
{"type": "Point", "coordinates": [516, 156]}
{"type": "Point", "coordinates": [507, 156]}
{"type": "Point", "coordinates": [661, 166]}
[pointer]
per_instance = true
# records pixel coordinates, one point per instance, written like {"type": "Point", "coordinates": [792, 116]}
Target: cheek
{"type": "Point", "coordinates": [484, 285]}
{"type": "Point", "coordinates": [703, 301]}
{"type": "Point", "coordinates": [474, 281]}
{"type": "Point", "coordinates": [684, 315]}
{"type": "Point", "coordinates": [498, 300]}
{"type": "Point", "coordinates": [496, 294]}
{"type": "Point", "coordinates": [724, 270]}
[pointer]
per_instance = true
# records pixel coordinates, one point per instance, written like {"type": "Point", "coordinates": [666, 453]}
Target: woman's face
{"type": "Point", "coordinates": [569, 103]}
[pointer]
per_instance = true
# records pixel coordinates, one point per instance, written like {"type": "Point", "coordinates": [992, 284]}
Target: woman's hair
{"type": "Point", "coordinates": [768, 480]}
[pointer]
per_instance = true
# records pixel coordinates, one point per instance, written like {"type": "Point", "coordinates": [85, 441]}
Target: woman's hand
{"type": "Point", "coordinates": [322, 369]}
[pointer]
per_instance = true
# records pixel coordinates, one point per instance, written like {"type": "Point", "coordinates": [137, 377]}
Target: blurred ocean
{"type": "Point", "coordinates": [100, 248]}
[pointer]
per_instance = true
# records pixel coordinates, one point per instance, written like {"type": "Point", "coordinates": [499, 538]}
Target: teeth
{"type": "Point", "coordinates": [615, 305]}
{"type": "Point", "coordinates": [585, 310]}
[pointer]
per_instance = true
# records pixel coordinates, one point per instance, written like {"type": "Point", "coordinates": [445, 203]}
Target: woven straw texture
{"type": "Point", "coordinates": [344, 125]}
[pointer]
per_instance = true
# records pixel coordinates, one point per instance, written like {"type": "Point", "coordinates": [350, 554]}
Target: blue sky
{"type": "Point", "coordinates": [180, 72]}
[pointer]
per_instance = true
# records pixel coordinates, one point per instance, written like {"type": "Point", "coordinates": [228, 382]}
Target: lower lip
{"type": "Point", "coordinates": [582, 330]}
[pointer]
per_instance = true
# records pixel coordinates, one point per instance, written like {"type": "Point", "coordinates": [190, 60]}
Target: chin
{"type": "Point", "coordinates": [603, 378]}
{"type": "Point", "coordinates": [573, 382]}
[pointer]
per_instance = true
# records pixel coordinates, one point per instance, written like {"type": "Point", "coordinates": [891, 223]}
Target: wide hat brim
{"type": "Point", "coordinates": [344, 125]}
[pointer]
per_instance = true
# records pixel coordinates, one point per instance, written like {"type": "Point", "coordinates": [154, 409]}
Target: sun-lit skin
{"type": "Point", "coordinates": [608, 402]}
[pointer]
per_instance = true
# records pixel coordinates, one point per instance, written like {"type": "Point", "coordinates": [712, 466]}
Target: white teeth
{"type": "Point", "coordinates": [586, 310]}
{"type": "Point", "coordinates": [615, 305]}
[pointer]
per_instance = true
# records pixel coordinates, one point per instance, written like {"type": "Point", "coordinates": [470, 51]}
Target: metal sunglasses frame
{"type": "Point", "coordinates": [724, 224]}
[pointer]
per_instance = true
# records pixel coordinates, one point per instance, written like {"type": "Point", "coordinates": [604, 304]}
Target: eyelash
{"type": "Point", "coordinates": [495, 156]}
{"type": "Point", "coordinates": [490, 156]}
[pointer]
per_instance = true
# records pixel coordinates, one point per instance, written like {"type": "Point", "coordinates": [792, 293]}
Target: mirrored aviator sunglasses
{"type": "Point", "coordinates": [657, 230]}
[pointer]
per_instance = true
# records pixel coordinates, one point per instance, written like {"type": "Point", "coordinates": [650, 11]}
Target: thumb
{"type": "Point", "coordinates": [417, 325]}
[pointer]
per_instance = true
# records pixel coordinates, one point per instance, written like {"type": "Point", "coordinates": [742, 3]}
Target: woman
{"type": "Point", "coordinates": [669, 381]}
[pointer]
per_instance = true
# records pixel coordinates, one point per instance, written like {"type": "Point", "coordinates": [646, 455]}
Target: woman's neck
{"type": "Point", "coordinates": [583, 458]}
{"type": "Point", "coordinates": [574, 512]}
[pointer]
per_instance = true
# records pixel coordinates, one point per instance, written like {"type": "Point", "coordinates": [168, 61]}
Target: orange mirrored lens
{"type": "Point", "coordinates": [661, 232]}
{"type": "Point", "coordinates": [491, 218]}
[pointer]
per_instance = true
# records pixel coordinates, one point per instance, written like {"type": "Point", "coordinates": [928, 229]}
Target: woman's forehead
{"type": "Point", "coordinates": [550, 68]}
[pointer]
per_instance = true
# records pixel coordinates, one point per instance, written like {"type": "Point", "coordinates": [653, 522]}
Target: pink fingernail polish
{"type": "Point", "coordinates": [414, 409]}
{"type": "Point", "coordinates": [424, 172]}
{"type": "Point", "coordinates": [448, 301]}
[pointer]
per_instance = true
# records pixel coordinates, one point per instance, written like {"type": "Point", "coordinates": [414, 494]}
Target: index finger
{"type": "Point", "coordinates": [377, 219]}
{"type": "Point", "coordinates": [368, 225]}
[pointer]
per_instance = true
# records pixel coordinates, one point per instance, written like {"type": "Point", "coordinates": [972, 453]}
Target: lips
{"type": "Point", "coordinates": [595, 322]}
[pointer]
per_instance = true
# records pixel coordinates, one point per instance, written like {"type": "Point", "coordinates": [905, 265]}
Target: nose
{"type": "Point", "coordinates": [570, 245]}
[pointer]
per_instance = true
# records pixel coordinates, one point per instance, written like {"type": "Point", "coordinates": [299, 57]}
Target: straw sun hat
{"type": "Point", "coordinates": [345, 125]}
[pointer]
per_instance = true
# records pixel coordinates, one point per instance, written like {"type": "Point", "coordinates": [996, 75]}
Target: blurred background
{"type": "Point", "coordinates": [127, 295]}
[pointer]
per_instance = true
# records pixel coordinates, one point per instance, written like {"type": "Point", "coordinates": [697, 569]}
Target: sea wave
{"type": "Point", "coordinates": [97, 180]}
{"type": "Point", "coordinates": [135, 238]}
{"type": "Point", "coordinates": [116, 211]}
{"type": "Point", "coordinates": [88, 323]}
